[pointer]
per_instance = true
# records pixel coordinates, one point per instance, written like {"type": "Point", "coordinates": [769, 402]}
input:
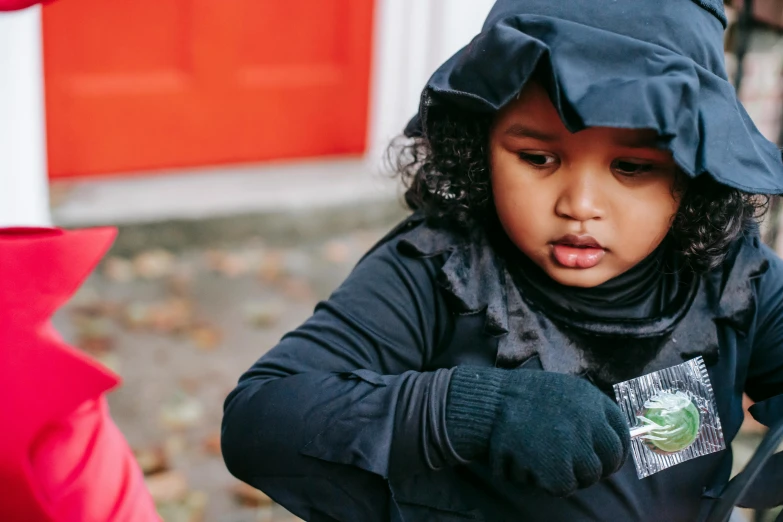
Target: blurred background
{"type": "Point", "coordinates": [238, 147]}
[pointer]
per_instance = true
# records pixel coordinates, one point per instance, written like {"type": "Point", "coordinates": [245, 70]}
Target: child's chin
{"type": "Point", "coordinates": [580, 277]}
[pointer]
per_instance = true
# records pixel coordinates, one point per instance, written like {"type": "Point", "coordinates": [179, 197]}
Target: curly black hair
{"type": "Point", "coordinates": [447, 177]}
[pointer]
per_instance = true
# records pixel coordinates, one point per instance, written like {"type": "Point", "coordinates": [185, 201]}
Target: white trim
{"type": "Point", "coordinates": [24, 196]}
{"type": "Point", "coordinates": [413, 37]}
{"type": "Point", "coordinates": [399, 50]}
{"type": "Point", "coordinates": [461, 20]}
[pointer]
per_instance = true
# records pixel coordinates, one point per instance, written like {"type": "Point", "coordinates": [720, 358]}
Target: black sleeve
{"type": "Point", "coordinates": [340, 404]}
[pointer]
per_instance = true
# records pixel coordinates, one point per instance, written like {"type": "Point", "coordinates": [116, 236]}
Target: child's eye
{"type": "Point", "coordinates": [538, 160]}
{"type": "Point", "coordinates": [632, 168]}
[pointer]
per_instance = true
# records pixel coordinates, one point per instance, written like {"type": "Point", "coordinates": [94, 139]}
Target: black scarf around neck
{"type": "Point", "coordinates": [643, 292]}
{"type": "Point", "coordinates": [476, 277]}
{"type": "Point", "coordinates": [646, 291]}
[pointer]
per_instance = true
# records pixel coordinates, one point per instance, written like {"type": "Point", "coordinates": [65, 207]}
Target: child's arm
{"type": "Point", "coordinates": [341, 403]}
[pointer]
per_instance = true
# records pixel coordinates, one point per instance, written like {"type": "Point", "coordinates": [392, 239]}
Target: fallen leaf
{"type": "Point", "coordinates": [171, 316]}
{"type": "Point", "coordinates": [271, 266]}
{"type": "Point", "coordinates": [95, 345]}
{"type": "Point", "coordinates": [213, 259]}
{"type": "Point", "coordinates": [263, 314]}
{"type": "Point", "coordinates": [94, 334]}
{"type": "Point", "coordinates": [119, 270]}
{"type": "Point", "coordinates": [250, 497]}
{"type": "Point", "coordinates": [233, 265]}
{"type": "Point", "coordinates": [151, 460]}
{"type": "Point", "coordinates": [174, 446]}
{"type": "Point", "coordinates": [167, 486]}
{"type": "Point", "coordinates": [96, 308]}
{"type": "Point", "coordinates": [253, 255]}
{"type": "Point", "coordinates": [298, 289]}
{"type": "Point", "coordinates": [196, 504]}
{"type": "Point", "coordinates": [205, 336]}
{"type": "Point", "coordinates": [91, 323]}
{"type": "Point", "coordinates": [154, 264]}
{"type": "Point", "coordinates": [181, 411]}
{"type": "Point", "coordinates": [190, 509]}
{"type": "Point", "coordinates": [174, 315]}
{"type": "Point", "coordinates": [337, 252]}
{"type": "Point", "coordinates": [212, 444]}
{"type": "Point", "coordinates": [190, 384]}
{"type": "Point", "coordinates": [136, 316]}
{"type": "Point", "coordinates": [179, 284]}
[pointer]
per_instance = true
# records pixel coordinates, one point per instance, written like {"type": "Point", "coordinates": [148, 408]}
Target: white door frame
{"type": "Point", "coordinates": [24, 191]}
{"type": "Point", "coordinates": [412, 38]}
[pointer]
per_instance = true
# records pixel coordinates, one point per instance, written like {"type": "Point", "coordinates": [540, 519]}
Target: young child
{"type": "Point", "coordinates": [582, 176]}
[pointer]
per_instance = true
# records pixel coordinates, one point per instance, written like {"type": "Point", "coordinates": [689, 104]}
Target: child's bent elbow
{"type": "Point", "coordinates": [236, 434]}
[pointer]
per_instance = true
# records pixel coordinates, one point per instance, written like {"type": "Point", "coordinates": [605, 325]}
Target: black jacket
{"type": "Point", "coordinates": [345, 418]}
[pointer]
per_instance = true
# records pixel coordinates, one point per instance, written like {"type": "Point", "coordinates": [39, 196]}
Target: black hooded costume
{"type": "Point", "coordinates": [346, 418]}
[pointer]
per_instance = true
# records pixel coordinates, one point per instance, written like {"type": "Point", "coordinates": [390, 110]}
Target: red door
{"type": "Point", "coordinates": [134, 85]}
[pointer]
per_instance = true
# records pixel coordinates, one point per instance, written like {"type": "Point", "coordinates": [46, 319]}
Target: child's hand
{"type": "Point", "coordinates": [544, 429]}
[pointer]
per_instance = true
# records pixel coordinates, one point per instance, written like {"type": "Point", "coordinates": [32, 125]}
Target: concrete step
{"type": "Point", "coordinates": [282, 203]}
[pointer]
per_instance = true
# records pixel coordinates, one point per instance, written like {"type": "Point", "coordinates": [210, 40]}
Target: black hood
{"type": "Point", "coordinates": [639, 64]}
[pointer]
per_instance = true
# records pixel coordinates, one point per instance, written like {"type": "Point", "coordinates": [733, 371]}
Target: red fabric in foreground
{"type": "Point", "coordinates": [87, 472]}
{"type": "Point", "coordinates": [62, 459]}
{"type": "Point", "coordinates": [13, 5]}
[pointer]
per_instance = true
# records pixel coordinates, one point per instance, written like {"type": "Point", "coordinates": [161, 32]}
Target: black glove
{"type": "Point", "coordinates": [554, 431]}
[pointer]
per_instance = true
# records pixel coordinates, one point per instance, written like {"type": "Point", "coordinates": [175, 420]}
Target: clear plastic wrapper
{"type": "Point", "coordinates": [672, 415]}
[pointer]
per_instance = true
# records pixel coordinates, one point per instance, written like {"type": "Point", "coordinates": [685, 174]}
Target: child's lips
{"type": "Point", "coordinates": [577, 251]}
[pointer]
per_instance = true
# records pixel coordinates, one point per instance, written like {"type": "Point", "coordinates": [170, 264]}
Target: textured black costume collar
{"type": "Point", "coordinates": [475, 279]}
{"type": "Point", "coordinates": [657, 286]}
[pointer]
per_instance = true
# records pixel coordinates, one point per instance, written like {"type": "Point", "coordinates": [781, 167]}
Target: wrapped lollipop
{"type": "Point", "coordinates": [672, 416]}
{"type": "Point", "coordinates": [670, 422]}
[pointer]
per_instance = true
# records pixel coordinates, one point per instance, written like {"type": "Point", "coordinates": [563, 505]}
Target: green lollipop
{"type": "Point", "coordinates": [671, 422]}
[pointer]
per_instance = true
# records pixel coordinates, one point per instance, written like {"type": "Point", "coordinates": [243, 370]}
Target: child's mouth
{"type": "Point", "coordinates": [577, 251]}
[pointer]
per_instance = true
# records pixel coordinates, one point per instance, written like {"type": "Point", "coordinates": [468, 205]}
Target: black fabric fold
{"type": "Point", "coordinates": [646, 290]}
{"type": "Point", "coordinates": [477, 279]}
{"type": "Point", "coordinates": [661, 63]}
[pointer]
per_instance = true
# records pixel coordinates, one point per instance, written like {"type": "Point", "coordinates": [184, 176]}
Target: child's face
{"type": "Point", "coordinates": [585, 207]}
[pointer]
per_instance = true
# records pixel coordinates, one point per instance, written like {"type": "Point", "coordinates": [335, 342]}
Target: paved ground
{"type": "Point", "coordinates": [180, 329]}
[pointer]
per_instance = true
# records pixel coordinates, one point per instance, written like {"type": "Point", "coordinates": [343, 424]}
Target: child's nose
{"type": "Point", "coordinates": [580, 196]}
